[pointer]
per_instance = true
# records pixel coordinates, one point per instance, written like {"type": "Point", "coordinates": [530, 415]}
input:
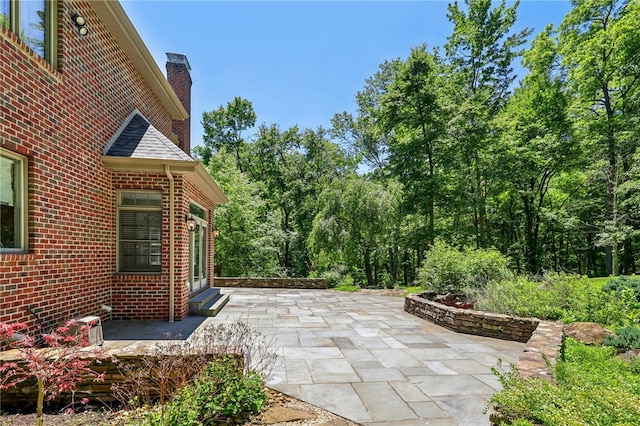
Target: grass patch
{"type": "Point", "coordinates": [351, 288]}
{"type": "Point", "coordinates": [593, 387]}
{"type": "Point", "coordinates": [412, 289]}
{"type": "Point", "coordinates": [600, 281]}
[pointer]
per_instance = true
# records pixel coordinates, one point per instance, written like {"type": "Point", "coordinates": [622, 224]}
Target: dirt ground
{"type": "Point", "coordinates": [282, 410]}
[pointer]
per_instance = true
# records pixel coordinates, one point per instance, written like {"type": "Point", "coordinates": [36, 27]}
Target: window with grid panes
{"type": "Point", "coordinates": [140, 231]}
{"type": "Point", "coordinates": [34, 22]}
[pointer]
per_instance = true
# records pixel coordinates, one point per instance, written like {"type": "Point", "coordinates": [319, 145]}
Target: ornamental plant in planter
{"type": "Point", "coordinates": [455, 299]}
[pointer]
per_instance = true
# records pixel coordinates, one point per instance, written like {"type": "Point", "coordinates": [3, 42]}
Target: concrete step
{"type": "Point", "coordinates": [208, 303]}
{"type": "Point", "coordinates": [212, 308]}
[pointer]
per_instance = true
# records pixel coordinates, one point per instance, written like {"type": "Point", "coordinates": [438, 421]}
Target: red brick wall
{"type": "Point", "coordinates": [62, 120]}
{"type": "Point", "coordinates": [180, 80]}
{"type": "Point", "coordinates": [143, 296]}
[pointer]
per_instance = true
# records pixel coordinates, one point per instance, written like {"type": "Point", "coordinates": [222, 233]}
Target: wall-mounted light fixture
{"type": "Point", "coordinates": [216, 233]}
{"type": "Point", "coordinates": [80, 24]}
{"type": "Point", "coordinates": [191, 223]}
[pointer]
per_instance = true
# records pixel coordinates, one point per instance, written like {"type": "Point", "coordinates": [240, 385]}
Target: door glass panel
{"type": "Point", "coordinates": [205, 251]}
{"type": "Point", "coordinates": [196, 253]}
{"type": "Point", "coordinates": [198, 243]}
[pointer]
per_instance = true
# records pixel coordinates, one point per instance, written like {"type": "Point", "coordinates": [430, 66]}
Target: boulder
{"type": "Point", "coordinates": [589, 333]}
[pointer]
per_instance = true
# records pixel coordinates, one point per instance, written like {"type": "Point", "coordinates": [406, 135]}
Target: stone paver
{"type": "Point", "coordinates": [362, 357]}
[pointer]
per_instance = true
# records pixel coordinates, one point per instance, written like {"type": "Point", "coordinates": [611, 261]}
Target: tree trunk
{"type": "Point", "coordinates": [367, 268]}
{"type": "Point", "coordinates": [393, 264]}
{"type": "Point", "coordinates": [530, 235]}
{"type": "Point", "coordinates": [610, 201]}
{"type": "Point", "coordinates": [628, 259]}
{"type": "Point", "coordinates": [40, 404]}
{"type": "Point", "coordinates": [405, 267]}
{"type": "Point", "coordinates": [591, 256]}
{"type": "Point", "coordinates": [286, 257]}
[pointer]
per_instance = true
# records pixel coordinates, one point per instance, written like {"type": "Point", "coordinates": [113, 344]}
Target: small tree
{"type": "Point", "coordinates": [59, 367]}
{"type": "Point", "coordinates": [447, 269]}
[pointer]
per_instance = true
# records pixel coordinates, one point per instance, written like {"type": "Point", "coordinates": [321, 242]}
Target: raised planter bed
{"type": "Point", "coordinates": [543, 338]}
{"type": "Point", "coordinates": [470, 321]}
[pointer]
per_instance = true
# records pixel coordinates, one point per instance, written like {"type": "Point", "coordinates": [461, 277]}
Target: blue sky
{"type": "Point", "coordinates": [298, 62]}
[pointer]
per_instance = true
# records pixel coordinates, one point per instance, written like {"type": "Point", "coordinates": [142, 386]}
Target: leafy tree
{"type": "Point", "coordinates": [410, 109]}
{"type": "Point", "coordinates": [355, 217]}
{"type": "Point", "coordinates": [362, 133]}
{"type": "Point", "coordinates": [323, 162]}
{"type": "Point", "coordinates": [59, 367]}
{"type": "Point", "coordinates": [480, 53]}
{"type": "Point", "coordinates": [600, 42]}
{"type": "Point", "coordinates": [223, 127]}
{"type": "Point", "coordinates": [250, 237]}
{"type": "Point", "coordinates": [276, 161]}
{"type": "Point", "coordinates": [536, 140]}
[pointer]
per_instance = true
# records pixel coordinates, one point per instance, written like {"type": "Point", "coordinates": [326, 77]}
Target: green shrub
{"type": "Point", "coordinates": [447, 269]}
{"type": "Point", "coordinates": [622, 283]}
{"type": "Point", "coordinates": [611, 309]}
{"type": "Point", "coordinates": [625, 339]}
{"type": "Point", "coordinates": [347, 283]}
{"type": "Point", "coordinates": [228, 392]}
{"type": "Point", "coordinates": [333, 276]}
{"type": "Point", "coordinates": [443, 269]}
{"type": "Point", "coordinates": [557, 296]}
{"type": "Point", "coordinates": [223, 391]}
{"type": "Point", "coordinates": [485, 266]}
{"type": "Point", "coordinates": [178, 384]}
{"type": "Point", "coordinates": [592, 388]}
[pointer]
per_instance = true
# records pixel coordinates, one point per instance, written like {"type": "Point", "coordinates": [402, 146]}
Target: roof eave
{"type": "Point", "coordinates": [116, 20]}
{"type": "Point", "coordinates": [147, 165]}
{"type": "Point", "coordinates": [206, 181]}
{"type": "Point", "coordinates": [193, 169]}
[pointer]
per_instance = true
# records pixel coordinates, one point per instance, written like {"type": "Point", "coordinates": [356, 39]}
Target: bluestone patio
{"type": "Point", "coordinates": [362, 357]}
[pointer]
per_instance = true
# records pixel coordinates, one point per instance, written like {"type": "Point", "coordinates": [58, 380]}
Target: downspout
{"type": "Point", "coordinates": [172, 242]}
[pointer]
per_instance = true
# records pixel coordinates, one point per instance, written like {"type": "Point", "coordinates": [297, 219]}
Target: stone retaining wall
{"type": "Point", "coordinates": [543, 347]}
{"type": "Point", "coordinates": [469, 321]}
{"type": "Point", "coordinates": [308, 283]}
{"type": "Point", "coordinates": [543, 338]}
{"type": "Point", "coordinates": [24, 395]}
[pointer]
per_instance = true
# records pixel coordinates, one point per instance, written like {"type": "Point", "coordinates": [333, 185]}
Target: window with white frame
{"type": "Point", "coordinates": [34, 22]}
{"type": "Point", "coordinates": [139, 231]}
{"type": "Point", "coordinates": [13, 202]}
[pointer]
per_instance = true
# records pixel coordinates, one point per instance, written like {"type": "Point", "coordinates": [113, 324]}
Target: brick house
{"type": "Point", "coordinates": [103, 210]}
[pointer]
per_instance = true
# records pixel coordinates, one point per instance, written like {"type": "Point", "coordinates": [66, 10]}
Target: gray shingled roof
{"type": "Point", "coordinates": [139, 139]}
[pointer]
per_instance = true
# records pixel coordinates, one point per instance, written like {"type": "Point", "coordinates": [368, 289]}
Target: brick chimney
{"type": "Point", "coordinates": [180, 80]}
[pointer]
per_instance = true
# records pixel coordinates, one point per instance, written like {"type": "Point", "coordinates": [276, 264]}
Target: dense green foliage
{"type": "Point", "coordinates": [355, 218]}
{"type": "Point", "coordinates": [625, 339]}
{"type": "Point", "coordinates": [446, 144]}
{"type": "Point", "coordinates": [624, 284]}
{"type": "Point", "coordinates": [222, 392]}
{"type": "Point", "coordinates": [557, 296]}
{"type": "Point", "coordinates": [592, 388]}
{"type": "Point", "coordinates": [447, 269]}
